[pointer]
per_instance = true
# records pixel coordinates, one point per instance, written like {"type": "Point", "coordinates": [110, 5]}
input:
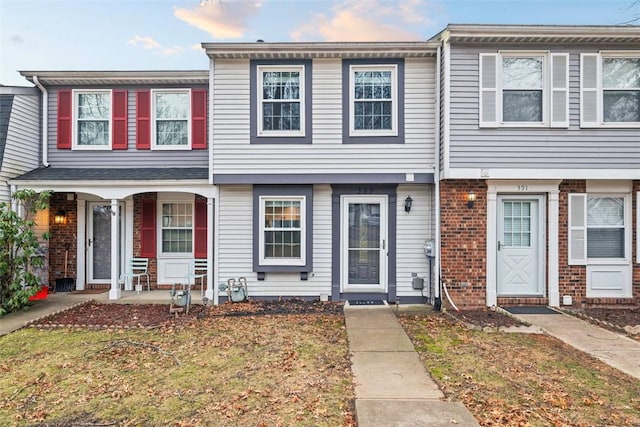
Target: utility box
{"type": "Point", "coordinates": [417, 283]}
{"type": "Point", "coordinates": [430, 248]}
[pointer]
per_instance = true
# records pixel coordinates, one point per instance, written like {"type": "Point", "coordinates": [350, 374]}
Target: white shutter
{"type": "Point", "coordinates": [488, 95]}
{"type": "Point", "coordinates": [590, 108]}
{"type": "Point", "coordinates": [577, 229]}
{"type": "Point", "coordinates": [560, 90]}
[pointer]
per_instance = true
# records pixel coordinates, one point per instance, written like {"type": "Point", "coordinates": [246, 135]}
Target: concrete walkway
{"type": "Point", "coordinates": [616, 350]}
{"type": "Point", "coordinates": [392, 385]}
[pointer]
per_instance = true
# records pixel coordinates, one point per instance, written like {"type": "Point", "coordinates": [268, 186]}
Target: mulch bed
{"type": "Point", "coordinates": [104, 316]}
{"type": "Point", "coordinates": [626, 320]}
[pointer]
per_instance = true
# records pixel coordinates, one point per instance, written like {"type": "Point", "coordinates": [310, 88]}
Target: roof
{"type": "Point", "coordinates": [114, 174]}
{"type": "Point", "coordinates": [59, 78]}
{"type": "Point", "coordinates": [473, 33]}
{"type": "Point", "coordinates": [6, 103]}
{"type": "Point", "coordinates": [293, 50]}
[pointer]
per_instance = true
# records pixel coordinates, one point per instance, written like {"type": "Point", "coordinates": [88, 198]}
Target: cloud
{"type": "Point", "coordinates": [16, 39]}
{"type": "Point", "coordinates": [148, 43]}
{"type": "Point", "coordinates": [367, 20]}
{"type": "Point", "coordinates": [221, 19]}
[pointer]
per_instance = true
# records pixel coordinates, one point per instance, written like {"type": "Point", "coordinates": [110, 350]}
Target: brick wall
{"type": "Point", "coordinates": [634, 251]}
{"type": "Point", "coordinates": [137, 223]}
{"type": "Point", "coordinates": [464, 243]}
{"type": "Point", "coordinates": [572, 279]}
{"type": "Point", "coordinates": [62, 238]}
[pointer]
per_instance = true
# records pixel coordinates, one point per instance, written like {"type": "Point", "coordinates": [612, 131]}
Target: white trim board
{"type": "Point", "coordinates": [492, 173]}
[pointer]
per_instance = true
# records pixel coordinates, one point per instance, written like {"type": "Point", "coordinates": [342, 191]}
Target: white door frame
{"type": "Point", "coordinates": [89, 247]}
{"type": "Point", "coordinates": [551, 188]}
{"type": "Point", "coordinates": [383, 283]}
{"type": "Point", "coordinates": [539, 236]}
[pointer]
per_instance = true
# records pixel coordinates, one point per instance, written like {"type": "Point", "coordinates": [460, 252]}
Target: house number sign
{"type": "Point", "coordinates": [522, 187]}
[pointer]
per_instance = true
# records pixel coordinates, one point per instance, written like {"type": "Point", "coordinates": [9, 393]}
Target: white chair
{"type": "Point", "coordinates": [197, 270]}
{"type": "Point", "coordinates": [138, 267]}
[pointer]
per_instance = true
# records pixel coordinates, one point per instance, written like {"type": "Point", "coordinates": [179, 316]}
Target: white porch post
{"type": "Point", "coordinates": [114, 293]}
{"type": "Point", "coordinates": [210, 255]}
{"type": "Point", "coordinates": [554, 207]}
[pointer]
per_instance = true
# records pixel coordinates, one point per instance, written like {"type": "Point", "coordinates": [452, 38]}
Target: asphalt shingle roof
{"type": "Point", "coordinates": [114, 174]}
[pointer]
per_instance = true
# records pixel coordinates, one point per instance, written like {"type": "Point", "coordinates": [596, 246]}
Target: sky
{"type": "Point", "coordinates": [38, 35]}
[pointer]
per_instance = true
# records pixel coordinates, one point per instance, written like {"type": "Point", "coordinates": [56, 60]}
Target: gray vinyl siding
{"type": "Point", "coordinates": [529, 148]}
{"type": "Point", "coordinates": [118, 158]}
{"type": "Point", "coordinates": [235, 254]}
{"type": "Point", "coordinates": [233, 153]}
{"type": "Point", "coordinates": [22, 148]}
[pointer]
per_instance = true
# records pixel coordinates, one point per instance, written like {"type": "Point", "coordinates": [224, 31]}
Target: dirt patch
{"type": "Point", "coordinates": [625, 320]}
{"type": "Point", "coordinates": [97, 315]}
{"type": "Point", "coordinates": [484, 318]}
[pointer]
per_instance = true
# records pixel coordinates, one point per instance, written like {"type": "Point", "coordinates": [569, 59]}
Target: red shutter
{"type": "Point", "coordinates": [199, 119]}
{"type": "Point", "coordinates": [64, 119]}
{"type": "Point", "coordinates": [143, 120]}
{"type": "Point", "coordinates": [119, 139]}
{"type": "Point", "coordinates": [148, 229]}
{"type": "Point", "coordinates": [200, 228]}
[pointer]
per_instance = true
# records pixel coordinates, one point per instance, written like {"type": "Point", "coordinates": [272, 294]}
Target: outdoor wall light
{"type": "Point", "coordinates": [407, 204]}
{"type": "Point", "coordinates": [60, 217]}
{"type": "Point", "coordinates": [471, 199]}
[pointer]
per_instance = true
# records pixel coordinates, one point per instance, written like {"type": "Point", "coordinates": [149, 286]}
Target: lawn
{"type": "Point", "coordinates": [265, 370]}
{"type": "Point", "coordinates": [521, 379]}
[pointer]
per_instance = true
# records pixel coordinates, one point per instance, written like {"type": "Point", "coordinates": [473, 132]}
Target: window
{"type": "Point", "coordinates": [281, 101]}
{"type": "Point", "coordinates": [282, 228]}
{"type": "Point", "coordinates": [171, 119]}
{"type": "Point", "coordinates": [599, 228]}
{"type": "Point", "coordinates": [373, 101]}
{"type": "Point", "coordinates": [605, 227]}
{"type": "Point", "coordinates": [177, 228]}
{"type": "Point", "coordinates": [282, 233]}
{"type": "Point", "coordinates": [524, 89]}
{"type": "Point", "coordinates": [92, 119]}
{"type": "Point", "coordinates": [610, 89]}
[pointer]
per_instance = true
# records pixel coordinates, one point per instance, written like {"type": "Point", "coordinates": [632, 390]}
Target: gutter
{"type": "Point", "coordinates": [45, 119]}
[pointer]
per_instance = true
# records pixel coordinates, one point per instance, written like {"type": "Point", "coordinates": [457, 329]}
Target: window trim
{"type": "Point", "coordinates": [625, 227]}
{"type": "Point", "coordinates": [544, 55]}
{"type": "Point", "coordinates": [154, 145]}
{"type": "Point", "coordinates": [271, 192]}
{"type": "Point", "coordinates": [300, 68]}
{"type": "Point", "coordinates": [254, 107]}
{"type": "Point", "coordinates": [601, 89]}
{"type": "Point", "coordinates": [174, 198]}
{"type": "Point", "coordinates": [353, 69]}
{"type": "Point", "coordinates": [396, 135]}
{"type": "Point", "coordinates": [282, 261]}
{"type": "Point", "coordinates": [74, 127]}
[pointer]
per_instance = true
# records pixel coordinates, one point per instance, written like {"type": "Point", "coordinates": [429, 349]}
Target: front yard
{"type": "Point", "coordinates": [521, 379]}
{"type": "Point", "coordinates": [266, 370]}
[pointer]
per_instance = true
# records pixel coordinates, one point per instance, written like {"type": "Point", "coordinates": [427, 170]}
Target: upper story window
{"type": "Point", "coordinates": [92, 119]}
{"type": "Point", "coordinates": [171, 119]}
{"type": "Point", "coordinates": [373, 101]}
{"type": "Point", "coordinates": [610, 89]}
{"type": "Point", "coordinates": [281, 101]}
{"type": "Point", "coordinates": [524, 89]}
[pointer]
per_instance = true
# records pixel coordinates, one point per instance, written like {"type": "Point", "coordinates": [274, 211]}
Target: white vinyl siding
{"type": "Point", "coordinates": [233, 153]}
{"type": "Point", "coordinates": [236, 243]}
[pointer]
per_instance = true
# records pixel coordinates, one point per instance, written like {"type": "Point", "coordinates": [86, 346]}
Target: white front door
{"type": "Point", "coordinates": [520, 246]}
{"type": "Point", "coordinates": [364, 243]}
{"type": "Point", "coordinates": [99, 243]}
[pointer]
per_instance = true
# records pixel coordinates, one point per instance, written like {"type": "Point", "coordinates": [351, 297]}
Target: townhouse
{"type": "Point", "coordinates": [501, 163]}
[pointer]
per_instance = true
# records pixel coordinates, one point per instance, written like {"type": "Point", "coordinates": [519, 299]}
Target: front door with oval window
{"type": "Point", "coordinates": [520, 246]}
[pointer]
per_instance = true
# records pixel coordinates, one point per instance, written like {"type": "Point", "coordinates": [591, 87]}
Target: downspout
{"type": "Point", "coordinates": [45, 119]}
{"type": "Point", "coordinates": [438, 298]}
